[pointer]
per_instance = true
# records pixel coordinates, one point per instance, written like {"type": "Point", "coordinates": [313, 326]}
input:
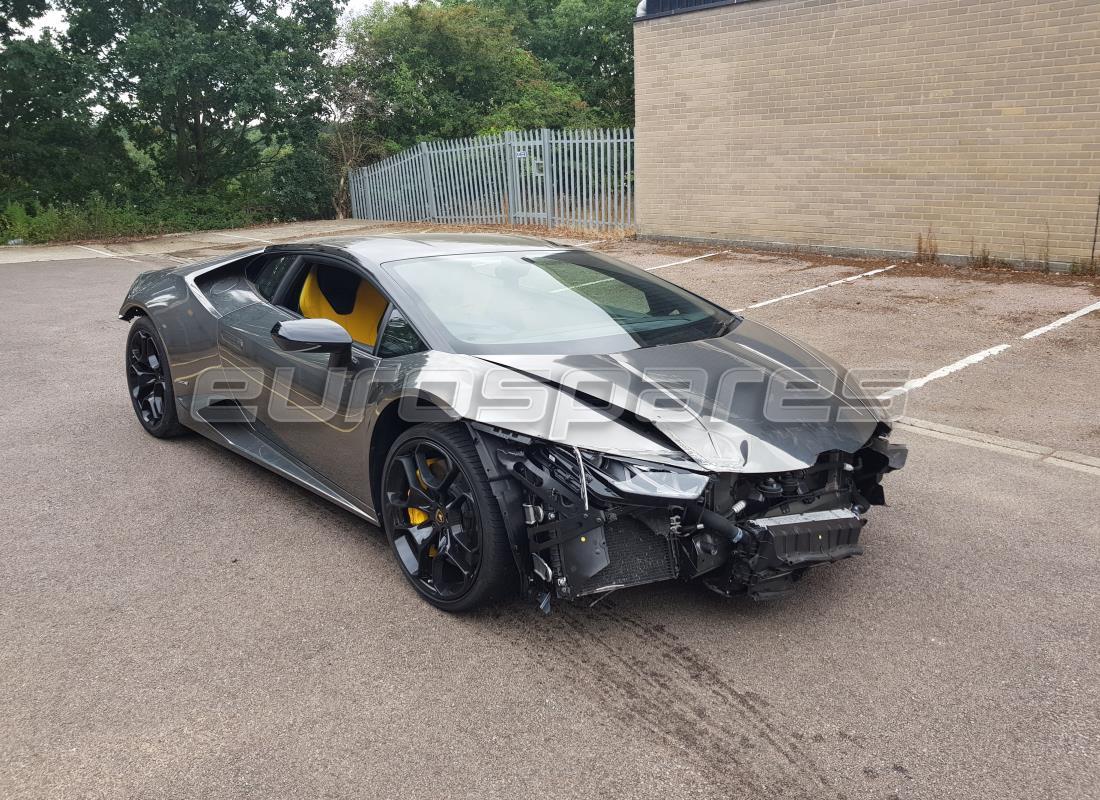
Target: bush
{"type": "Point", "coordinates": [96, 218]}
{"type": "Point", "coordinates": [302, 185]}
{"type": "Point", "coordinates": [15, 223]}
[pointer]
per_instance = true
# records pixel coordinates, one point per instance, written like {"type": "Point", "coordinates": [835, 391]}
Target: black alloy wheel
{"type": "Point", "coordinates": [442, 519]}
{"type": "Point", "coordinates": [149, 381]}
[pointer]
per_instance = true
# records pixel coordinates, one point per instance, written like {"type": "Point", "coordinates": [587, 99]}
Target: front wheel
{"type": "Point", "coordinates": [150, 382]}
{"type": "Point", "coordinates": [443, 521]}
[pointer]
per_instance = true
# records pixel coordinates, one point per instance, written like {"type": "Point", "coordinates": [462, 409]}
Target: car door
{"type": "Point", "coordinates": [303, 402]}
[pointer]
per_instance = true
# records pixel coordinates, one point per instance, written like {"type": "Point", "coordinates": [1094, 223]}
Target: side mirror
{"type": "Point", "coordinates": [313, 336]}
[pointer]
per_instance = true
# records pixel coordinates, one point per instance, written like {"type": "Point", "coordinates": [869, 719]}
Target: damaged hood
{"type": "Point", "coordinates": [751, 401]}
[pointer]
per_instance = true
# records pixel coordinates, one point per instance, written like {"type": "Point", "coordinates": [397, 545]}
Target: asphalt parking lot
{"type": "Point", "coordinates": [177, 622]}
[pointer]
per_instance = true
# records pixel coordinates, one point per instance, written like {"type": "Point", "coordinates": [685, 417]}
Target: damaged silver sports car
{"type": "Point", "coordinates": [518, 416]}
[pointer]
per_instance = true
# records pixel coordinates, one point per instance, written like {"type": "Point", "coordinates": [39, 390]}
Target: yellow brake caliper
{"type": "Point", "coordinates": [416, 516]}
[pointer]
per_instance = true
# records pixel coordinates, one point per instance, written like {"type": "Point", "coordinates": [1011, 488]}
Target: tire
{"type": "Point", "coordinates": [454, 552]}
{"type": "Point", "coordinates": [150, 382]}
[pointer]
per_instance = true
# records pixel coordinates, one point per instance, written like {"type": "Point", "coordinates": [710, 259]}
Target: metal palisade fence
{"type": "Point", "coordinates": [574, 179]}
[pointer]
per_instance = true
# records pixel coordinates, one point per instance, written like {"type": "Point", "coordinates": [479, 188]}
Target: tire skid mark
{"type": "Point", "coordinates": [699, 669]}
{"type": "Point", "coordinates": [697, 712]}
{"type": "Point", "coordinates": [628, 662]}
{"type": "Point", "coordinates": [649, 711]}
{"type": "Point", "coordinates": [767, 717]}
{"type": "Point", "coordinates": [708, 737]}
{"type": "Point", "coordinates": [702, 673]}
{"type": "Point", "coordinates": [657, 684]}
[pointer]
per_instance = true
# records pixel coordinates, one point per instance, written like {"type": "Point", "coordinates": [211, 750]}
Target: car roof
{"type": "Point", "coordinates": [378, 248]}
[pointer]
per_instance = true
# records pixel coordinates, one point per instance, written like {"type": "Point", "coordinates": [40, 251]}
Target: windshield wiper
{"type": "Point", "coordinates": [728, 326]}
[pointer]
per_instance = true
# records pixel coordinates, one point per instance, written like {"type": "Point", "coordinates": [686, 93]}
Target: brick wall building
{"type": "Point", "coordinates": [859, 124]}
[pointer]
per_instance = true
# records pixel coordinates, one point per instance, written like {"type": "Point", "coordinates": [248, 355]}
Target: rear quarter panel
{"type": "Point", "coordinates": [186, 318]}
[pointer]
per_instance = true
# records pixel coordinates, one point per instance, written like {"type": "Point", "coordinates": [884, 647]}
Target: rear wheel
{"type": "Point", "coordinates": [150, 382]}
{"type": "Point", "coordinates": [443, 521]}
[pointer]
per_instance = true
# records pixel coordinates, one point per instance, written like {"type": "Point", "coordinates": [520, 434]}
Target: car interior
{"type": "Point", "coordinates": [329, 292]}
{"type": "Point", "coordinates": [320, 290]}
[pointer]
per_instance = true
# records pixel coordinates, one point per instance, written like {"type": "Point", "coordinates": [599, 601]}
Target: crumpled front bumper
{"type": "Point", "coordinates": [778, 551]}
{"type": "Point", "coordinates": [585, 533]}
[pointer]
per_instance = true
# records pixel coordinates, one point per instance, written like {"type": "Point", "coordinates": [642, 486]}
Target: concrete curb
{"type": "Point", "coordinates": [952, 259]}
{"type": "Point", "coordinates": [1076, 458]}
{"type": "Point", "coordinates": [200, 243]}
{"type": "Point", "coordinates": [1047, 455]}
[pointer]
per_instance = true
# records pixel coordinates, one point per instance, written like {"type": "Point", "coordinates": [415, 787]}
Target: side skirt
{"type": "Point", "coordinates": [244, 441]}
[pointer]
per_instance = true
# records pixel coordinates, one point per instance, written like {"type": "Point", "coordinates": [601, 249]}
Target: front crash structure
{"type": "Point", "coordinates": [584, 523]}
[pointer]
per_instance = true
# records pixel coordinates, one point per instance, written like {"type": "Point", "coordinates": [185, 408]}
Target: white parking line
{"type": "Point", "coordinates": [107, 253]}
{"type": "Point", "coordinates": [962, 363]}
{"type": "Point", "coordinates": [647, 269]}
{"type": "Point", "coordinates": [849, 279]}
{"type": "Point", "coordinates": [688, 260]}
{"type": "Point", "coordinates": [245, 238]}
{"type": "Point", "coordinates": [580, 285]}
{"type": "Point", "coordinates": [97, 252]}
{"type": "Point", "coordinates": [1061, 321]}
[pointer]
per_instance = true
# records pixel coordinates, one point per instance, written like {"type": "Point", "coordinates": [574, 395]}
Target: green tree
{"type": "Point", "coordinates": [52, 146]}
{"type": "Point", "coordinates": [209, 89]}
{"type": "Point", "coordinates": [592, 42]}
{"type": "Point", "coordinates": [16, 14]}
{"type": "Point", "coordinates": [348, 140]}
{"type": "Point", "coordinates": [301, 184]}
{"type": "Point", "coordinates": [525, 15]}
{"type": "Point", "coordinates": [588, 43]}
{"type": "Point", "coordinates": [540, 103]}
{"type": "Point", "coordinates": [451, 71]}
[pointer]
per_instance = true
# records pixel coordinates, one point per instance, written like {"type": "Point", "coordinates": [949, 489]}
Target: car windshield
{"type": "Point", "coordinates": [568, 302]}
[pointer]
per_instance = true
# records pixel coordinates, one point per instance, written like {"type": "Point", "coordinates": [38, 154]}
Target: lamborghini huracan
{"type": "Point", "coordinates": [518, 416]}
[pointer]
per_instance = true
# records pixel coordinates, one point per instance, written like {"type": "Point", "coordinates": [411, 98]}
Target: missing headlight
{"type": "Point", "coordinates": [653, 481]}
{"type": "Point", "coordinates": [619, 479]}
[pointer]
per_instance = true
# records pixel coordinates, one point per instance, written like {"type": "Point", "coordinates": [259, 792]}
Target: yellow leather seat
{"type": "Point", "coordinates": [328, 291]}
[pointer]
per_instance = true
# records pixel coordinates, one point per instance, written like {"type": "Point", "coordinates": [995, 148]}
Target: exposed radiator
{"type": "Point", "coordinates": [638, 555]}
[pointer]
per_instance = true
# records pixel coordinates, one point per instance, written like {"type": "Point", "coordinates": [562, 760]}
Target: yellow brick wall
{"type": "Point", "coordinates": [860, 123]}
